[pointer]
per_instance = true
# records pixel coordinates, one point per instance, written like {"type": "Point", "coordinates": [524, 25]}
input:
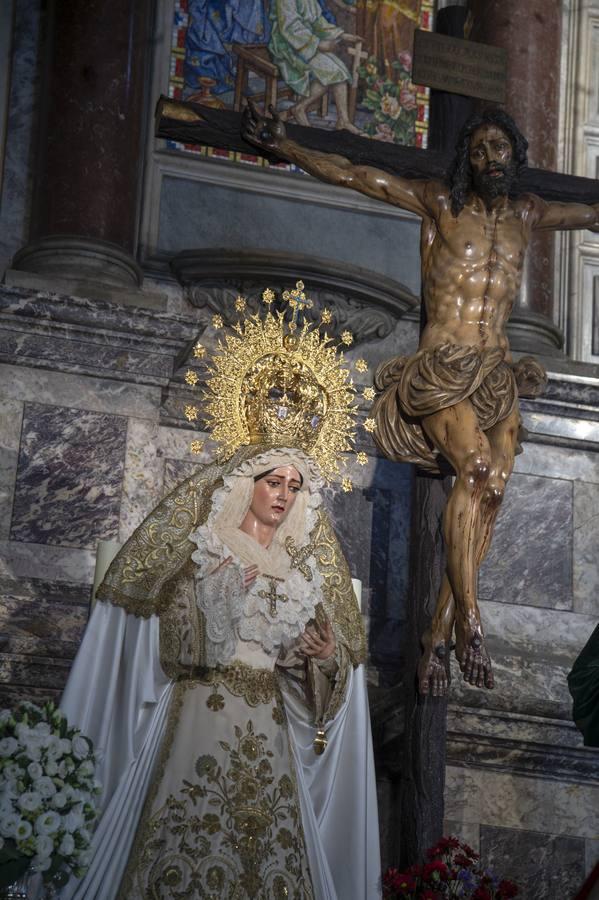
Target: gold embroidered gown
{"type": "Point", "coordinates": [214, 789]}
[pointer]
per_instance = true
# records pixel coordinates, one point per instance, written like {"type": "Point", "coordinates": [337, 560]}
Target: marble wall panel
{"type": "Point", "coordinates": [467, 832]}
{"type": "Point", "coordinates": [69, 477]}
{"type": "Point", "coordinates": [558, 462]}
{"type": "Point", "coordinates": [11, 413]}
{"type": "Point", "coordinates": [586, 549]}
{"type": "Point", "coordinates": [35, 678]}
{"type": "Point", "coordinates": [42, 618]}
{"type": "Point", "coordinates": [544, 866]}
{"type": "Point", "coordinates": [94, 394]}
{"type": "Point", "coordinates": [87, 356]}
{"type": "Point", "coordinates": [65, 564]}
{"type": "Point", "coordinates": [143, 475]}
{"type": "Point", "coordinates": [175, 471]}
{"type": "Point", "coordinates": [532, 652]}
{"type": "Point", "coordinates": [502, 799]}
{"type": "Point", "coordinates": [530, 560]}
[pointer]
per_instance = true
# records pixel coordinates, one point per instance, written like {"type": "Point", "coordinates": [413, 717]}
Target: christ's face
{"type": "Point", "coordinates": [491, 160]}
{"type": "Point", "coordinates": [274, 495]}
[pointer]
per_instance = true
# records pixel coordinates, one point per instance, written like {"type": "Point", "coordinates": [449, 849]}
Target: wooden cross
{"type": "Point", "coordinates": [272, 595]}
{"type": "Point", "coordinates": [299, 555]}
{"type": "Point", "coordinates": [190, 123]}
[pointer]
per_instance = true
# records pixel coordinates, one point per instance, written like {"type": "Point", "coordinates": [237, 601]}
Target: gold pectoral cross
{"type": "Point", "coordinates": [299, 555]}
{"type": "Point", "coordinates": [272, 595]}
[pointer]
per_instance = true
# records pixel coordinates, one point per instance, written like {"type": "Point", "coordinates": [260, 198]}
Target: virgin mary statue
{"type": "Point", "coordinates": [220, 676]}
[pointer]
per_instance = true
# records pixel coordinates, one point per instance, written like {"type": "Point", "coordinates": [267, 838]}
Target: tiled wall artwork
{"type": "Point", "coordinates": [323, 63]}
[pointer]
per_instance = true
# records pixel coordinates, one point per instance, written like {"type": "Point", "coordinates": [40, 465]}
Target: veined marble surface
{"type": "Point", "coordinates": [530, 560]}
{"type": "Point", "coordinates": [69, 477]}
{"type": "Point", "coordinates": [101, 395]}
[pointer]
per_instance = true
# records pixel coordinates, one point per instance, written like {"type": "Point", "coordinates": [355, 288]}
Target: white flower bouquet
{"type": "Point", "coordinates": [48, 795]}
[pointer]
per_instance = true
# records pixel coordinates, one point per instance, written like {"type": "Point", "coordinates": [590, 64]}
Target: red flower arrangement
{"type": "Point", "coordinates": [453, 870]}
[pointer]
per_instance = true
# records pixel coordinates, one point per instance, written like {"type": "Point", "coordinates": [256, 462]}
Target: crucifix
{"type": "Point", "coordinates": [299, 557]}
{"type": "Point", "coordinates": [272, 596]}
{"type": "Point", "coordinates": [298, 301]}
{"type": "Point", "coordinates": [415, 179]}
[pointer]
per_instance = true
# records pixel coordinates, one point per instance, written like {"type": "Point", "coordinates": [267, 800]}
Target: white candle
{"type": "Point", "coordinates": [357, 586]}
{"type": "Point", "coordinates": [106, 552]}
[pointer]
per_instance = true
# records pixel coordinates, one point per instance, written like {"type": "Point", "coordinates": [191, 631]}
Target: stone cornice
{"type": "Point", "coordinates": [363, 301]}
{"type": "Point", "coordinates": [92, 337]}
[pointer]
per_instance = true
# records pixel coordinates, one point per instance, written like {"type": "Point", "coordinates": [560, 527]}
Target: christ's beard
{"type": "Point", "coordinates": [489, 187]}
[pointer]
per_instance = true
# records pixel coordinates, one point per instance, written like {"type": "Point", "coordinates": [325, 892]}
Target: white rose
{"type": "Point", "coordinates": [65, 746]}
{"type": "Point", "coordinates": [45, 787]}
{"type": "Point", "coordinates": [9, 825]}
{"type": "Point", "coordinates": [48, 822]}
{"type": "Point", "coordinates": [65, 767]}
{"type": "Point", "coordinates": [23, 732]}
{"type": "Point", "coordinates": [80, 747]}
{"type": "Point", "coordinates": [53, 748]}
{"type": "Point", "coordinates": [67, 845]}
{"type": "Point", "coordinates": [85, 858]}
{"type": "Point", "coordinates": [72, 821]}
{"type": "Point", "coordinates": [60, 799]}
{"type": "Point", "coordinates": [13, 770]}
{"type": "Point", "coordinates": [32, 748]}
{"type": "Point", "coordinates": [6, 807]}
{"type": "Point", "coordinates": [51, 768]}
{"type": "Point", "coordinates": [30, 801]}
{"type": "Point", "coordinates": [34, 770]}
{"type": "Point", "coordinates": [43, 729]}
{"type": "Point", "coordinates": [44, 845]}
{"type": "Point", "coordinates": [85, 835]}
{"type": "Point", "coordinates": [8, 746]}
{"type": "Point", "coordinates": [86, 769]}
{"type": "Point", "coordinates": [5, 715]}
{"type": "Point", "coordinates": [23, 830]}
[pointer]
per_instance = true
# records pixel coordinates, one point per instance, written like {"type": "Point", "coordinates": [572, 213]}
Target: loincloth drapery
{"type": "Point", "coordinates": [412, 387]}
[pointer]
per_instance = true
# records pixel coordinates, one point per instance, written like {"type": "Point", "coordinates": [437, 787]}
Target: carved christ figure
{"type": "Point", "coordinates": [457, 397]}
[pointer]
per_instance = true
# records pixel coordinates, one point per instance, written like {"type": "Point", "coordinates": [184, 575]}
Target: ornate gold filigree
{"type": "Point", "coordinates": [339, 599]}
{"type": "Point", "coordinates": [276, 380]}
{"type": "Point", "coordinates": [139, 578]}
{"type": "Point", "coordinates": [299, 557]}
{"type": "Point", "coordinates": [255, 686]}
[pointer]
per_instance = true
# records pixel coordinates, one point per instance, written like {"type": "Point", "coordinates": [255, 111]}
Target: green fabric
{"type": "Point", "coordinates": [583, 682]}
{"type": "Point", "coordinates": [297, 27]}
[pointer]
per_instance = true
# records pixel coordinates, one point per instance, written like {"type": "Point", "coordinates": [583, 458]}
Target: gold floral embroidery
{"type": "Point", "coordinates": [174, 712]}
{"type": "Point", "coordinates": [215, 701]}
{"type": "Point", "coordinates": [234, 850]}
{"type": "Point", "coordinates": [339, 600]}
{"type": "Point", "coordinates": [254, 685]}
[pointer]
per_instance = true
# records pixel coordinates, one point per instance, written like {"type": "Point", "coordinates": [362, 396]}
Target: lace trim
{"type": "Point", "coordinates": [220, 597]}
{"type": "Point", "coordinates": [270, 631]}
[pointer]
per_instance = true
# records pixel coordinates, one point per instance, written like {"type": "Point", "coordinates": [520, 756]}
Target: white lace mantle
{"type": "Point", "coordinates": [232, 613]}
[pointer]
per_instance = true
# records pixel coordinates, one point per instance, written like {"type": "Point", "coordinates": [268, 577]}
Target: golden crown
{"type": "Point", "coordinates": [276, 380]}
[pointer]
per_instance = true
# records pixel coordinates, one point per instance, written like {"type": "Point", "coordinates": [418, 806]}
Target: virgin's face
{"type": "Point", "coordinates": [275, 494]}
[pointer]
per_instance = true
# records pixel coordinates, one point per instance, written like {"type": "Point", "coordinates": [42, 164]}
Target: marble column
{"type": "Point", "coordinates": [88, 170]}
{"type": "Point", "coordinates": [530, 32]}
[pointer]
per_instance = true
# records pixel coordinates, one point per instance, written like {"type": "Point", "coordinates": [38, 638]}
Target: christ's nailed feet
{"type": "Point", "coordinates": [472, 654]}
{"type": "Point", "coordinates": [433, 668]}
